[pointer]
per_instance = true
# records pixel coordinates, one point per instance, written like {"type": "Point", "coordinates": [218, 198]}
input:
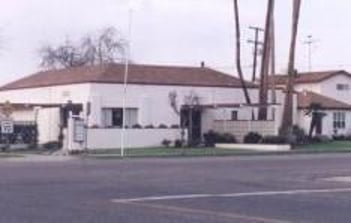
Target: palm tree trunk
{"type": "Point", "coordinates": [272, 71]}
{"type": "Point", "coordinates": [263, 93]}
{"type": "Point", "coordinates": [238, 53]}
{"type": "Point", "coordinates": [287, 121]}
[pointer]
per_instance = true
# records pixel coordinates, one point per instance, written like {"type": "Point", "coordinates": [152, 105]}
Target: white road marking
{"type": "Point", "coordinates": [344, 179]}
{"type": "Point", "coordinates": [232, 195]}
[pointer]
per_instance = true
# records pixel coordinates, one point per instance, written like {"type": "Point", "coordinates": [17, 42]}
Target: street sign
{"type": "Point", "coordinates": [7, 127]}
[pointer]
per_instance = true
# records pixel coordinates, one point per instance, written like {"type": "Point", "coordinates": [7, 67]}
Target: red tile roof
{"type": "Point", "coordinates": [311, 77]}
{"type": "Point", "coordinates": [138, 74]}
{"type": "Point", "coordinates": [305, 99]}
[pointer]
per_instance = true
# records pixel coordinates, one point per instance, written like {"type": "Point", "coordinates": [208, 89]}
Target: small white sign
{"type": "Point", "coordinates": [7, 127]}
{"type": "Point", "coordinates": [79, 130]}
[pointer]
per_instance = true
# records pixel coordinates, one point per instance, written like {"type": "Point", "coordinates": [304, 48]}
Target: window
{"type": "Point", "coordinates": [234, 116]}
{"type": "Point", "coordinates": [113, 117]}
{"type": "Point", "coordinates": [342, 87]}
{"type": "Point", "coordinates": [339, 120]}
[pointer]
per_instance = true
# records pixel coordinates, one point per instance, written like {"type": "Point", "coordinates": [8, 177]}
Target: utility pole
{"type": "Point", "coordinates": [256, 43]}
{"type": "Point", "coordinates": [309, 42]}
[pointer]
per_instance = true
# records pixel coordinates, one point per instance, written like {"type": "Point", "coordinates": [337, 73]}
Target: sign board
{"type": "Point", "coordinates": [79, 130]}
{"type": "Point", "coordinates": [7, 127]}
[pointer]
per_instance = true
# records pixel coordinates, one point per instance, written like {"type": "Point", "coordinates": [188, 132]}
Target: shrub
{"type": "Point", "coordinates": [278, 140]}
{"type": "Point", "coordinates": [339, 137]}
{"type": "Point", "coordinates": [253, 138]}
{"type": "Point", "coordinates": [137, 126]}
{"type": "Point", "coordinates": [175, 126]}
{"type": "Point", "coordinates": [178, 143]}
{"type": "Point", "coordinates": [320, 139]}
{"type": "Point", "coordinates": [300, 135]}
{"type": "Point", "coordinates": [163, 126]}
{"type": "Point", "coordinates": [166, 143]}
{"type": "Point", "coordinates": [149, 127]}
{"type": "Point", "coordinates": [212, 137]}
{"type": "Point", "coordinates": [52, 145]}
{"type": "Point", "coordinates": [226, 138]}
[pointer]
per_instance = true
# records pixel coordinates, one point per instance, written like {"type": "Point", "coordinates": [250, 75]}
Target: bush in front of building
{"type": "Point", "coordinates": [137, 126]}
{"type": "Point", "coordinates": [342, 137]}
{"type": "Point", "coordinates": [300, 136]}
{"type": "Point", "coordinates": [320, 139]}
{"type": "Point", "coordinates": [275, 140]}
{"type": "Point", "coordinates": [212, 137]}
{"type": "Point", "coordinates": [163, 126]}
{"type": "Point", "coordinates": [53, 145]}
{"type": "Point", "coordinates": [252, 138]}
{"type": "Point", "coordinates": [175, 126]}
{"type": "Point", "coordinates": [166, 143]}
{"type": "Point", "coordinates": [149, 127]}
{"type": "Point", "coordinates": [178, 143]}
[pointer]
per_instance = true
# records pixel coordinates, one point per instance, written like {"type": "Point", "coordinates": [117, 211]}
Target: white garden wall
{"type": "Point", "coordinates": [134, 138]}
{"type": "Point", "coordinates": [240, 128]}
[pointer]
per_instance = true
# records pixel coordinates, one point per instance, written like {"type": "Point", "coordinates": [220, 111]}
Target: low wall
{"type": "Point", "coordinates": [255, 147]}
{"type": "Point", "coordinates": [240, 128]}
{"type": "Point", "coordinates": [134, 138]}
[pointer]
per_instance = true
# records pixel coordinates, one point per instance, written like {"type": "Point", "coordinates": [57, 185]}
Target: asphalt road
{"type": "Point", "coordinates": [273, 189]}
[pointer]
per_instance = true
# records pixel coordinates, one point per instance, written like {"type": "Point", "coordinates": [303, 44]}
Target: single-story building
{"type": "Point", "coordinates": [156, 97]}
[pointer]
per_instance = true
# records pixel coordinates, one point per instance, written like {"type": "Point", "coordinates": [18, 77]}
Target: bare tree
{"type": "Point", "coordinates": [263, 93]}
{"type": "Point", "coordinates": [238, 52]}
{"type": "Point", "coordinates": [105, 47]}
{"type": "Point", "coordinates": [173, 101]}
{"type": "Point", "coordinates": [287, 121]}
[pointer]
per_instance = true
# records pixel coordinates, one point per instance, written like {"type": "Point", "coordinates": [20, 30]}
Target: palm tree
{"type": "Point", "coordinates": [263, 94]}
{"type": "Point", "coordinates": [287, 122]}
{"type": "Point", "coordinates": [238, 52]}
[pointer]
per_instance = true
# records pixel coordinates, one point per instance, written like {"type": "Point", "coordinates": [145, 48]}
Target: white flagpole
{"type": "Point", "coordinates": [125, 83]}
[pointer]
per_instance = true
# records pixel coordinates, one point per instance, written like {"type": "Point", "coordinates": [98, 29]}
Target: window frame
{"type": "Point", "coordinates": [339, 120]}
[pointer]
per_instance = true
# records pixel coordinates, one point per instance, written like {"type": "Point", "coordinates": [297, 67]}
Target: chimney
{"type": "Point", "coordinates": [203, 64]}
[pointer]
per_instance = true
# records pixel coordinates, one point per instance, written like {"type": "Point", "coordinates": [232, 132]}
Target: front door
{"type": "Point", "coordinates": [191, 119]}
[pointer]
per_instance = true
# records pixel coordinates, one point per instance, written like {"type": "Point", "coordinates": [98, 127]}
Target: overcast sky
{"type": "Point", "coordinates": [180, 32]}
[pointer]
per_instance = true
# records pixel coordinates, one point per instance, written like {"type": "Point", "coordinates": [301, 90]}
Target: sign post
{"type": "Point", "coordinates": [7, 124]}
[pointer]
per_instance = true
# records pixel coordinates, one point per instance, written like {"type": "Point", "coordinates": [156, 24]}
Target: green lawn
{"type": "Point", "coordinates": [335, 146]}
{"type": "Point", "coordinates": [168, 152]}
{"type": "Point", "coordinates": [8, 155]}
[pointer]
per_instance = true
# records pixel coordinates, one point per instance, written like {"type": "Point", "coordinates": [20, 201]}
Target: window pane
{"type": "Point", "coordinates": [117, 117]}
{"type": "Point", "coordinates": [234, 115]}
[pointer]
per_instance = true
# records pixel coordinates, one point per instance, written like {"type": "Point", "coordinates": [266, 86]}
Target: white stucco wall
{"type": "Point", "coordinates": [111, 138]}
{"type": "Point", "coordinates": [48, 121]}
{"type": "Point", "coordinates": [153, 101]}
{"type": "Point", "coordinates": [329, 88]}
{"type": "Point", "coordinates": [23, 115]}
